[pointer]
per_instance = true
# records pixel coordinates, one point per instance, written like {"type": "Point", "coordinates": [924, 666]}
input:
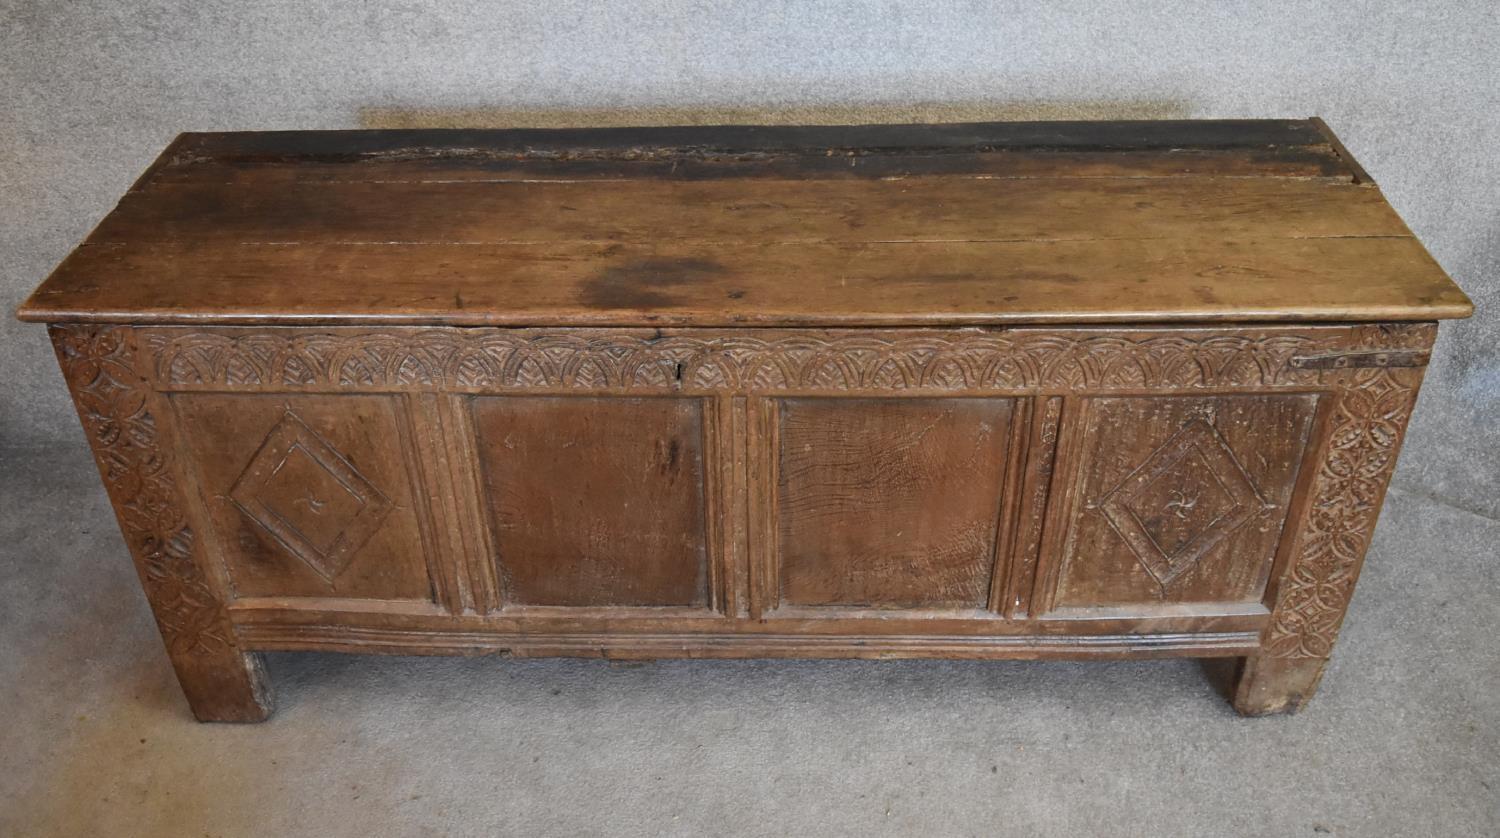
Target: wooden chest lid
{"type": "Point", "coordinates": [901, 225]}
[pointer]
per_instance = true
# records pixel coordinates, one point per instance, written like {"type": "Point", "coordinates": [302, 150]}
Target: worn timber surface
{"type": "Point", "coordinates": [977, 224]}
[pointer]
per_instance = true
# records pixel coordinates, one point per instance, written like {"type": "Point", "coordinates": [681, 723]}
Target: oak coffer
{"type": "Point", "coordinates": [1045, 390]}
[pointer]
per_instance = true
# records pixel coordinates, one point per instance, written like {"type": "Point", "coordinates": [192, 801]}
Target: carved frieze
{"type": "Point", "coordinates": [745, 360]}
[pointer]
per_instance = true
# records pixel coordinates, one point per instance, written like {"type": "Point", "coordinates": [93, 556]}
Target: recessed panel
{"type": "Point", "coordinates": [309, 496]}
{"type": "Point", "coordinates": [596, 501]}
{"type": "Point", "coordinates": [1181, 499]}
{"type": "Point", "coordinates": [889, 503]}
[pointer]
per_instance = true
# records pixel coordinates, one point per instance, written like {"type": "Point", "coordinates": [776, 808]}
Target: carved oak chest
{"type": "Point", "coordinates": [1051, 390]}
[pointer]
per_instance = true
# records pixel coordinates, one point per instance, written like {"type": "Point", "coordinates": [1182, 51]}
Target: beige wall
{"type": "Point", "coordinates": [90, 91]}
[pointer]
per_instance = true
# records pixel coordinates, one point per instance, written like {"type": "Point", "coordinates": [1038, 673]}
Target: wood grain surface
{"type": "Point", "coordinates": [596, 502]}
{"type": "Point", "coordinates": [890, 503]}
{"type": "Point", "coordinates": [855, 226]}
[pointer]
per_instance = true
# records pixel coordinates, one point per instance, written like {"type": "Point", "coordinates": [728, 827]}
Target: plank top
{"type": "Point", "coordinates": [919, 225]}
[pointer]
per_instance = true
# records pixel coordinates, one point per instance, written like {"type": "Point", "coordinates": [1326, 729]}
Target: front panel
{"type": "Point", "coordinates": [595, 502]}
{"type": "Point", "coordinates": [1175, 499]}
{"type": "Point", "coordinates": [882, 492]}
{"type": "Point", "coordinates": [889, 503]}
{"type": "Point", "coordinates": [310, 496]}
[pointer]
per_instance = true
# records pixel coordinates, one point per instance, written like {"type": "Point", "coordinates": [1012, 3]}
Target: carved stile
{"type": "Point", "coordinates": [1372, 407]}
{"type": "Point", "coordinates": [223, 682]}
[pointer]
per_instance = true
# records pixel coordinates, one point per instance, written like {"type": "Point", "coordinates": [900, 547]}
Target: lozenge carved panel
{"type": "Point", "coordinates": [310, 496]}
{"type": "Point", "coordinates": [1179, 499]}
{"type": "Point", "coordinates": [307, 495]}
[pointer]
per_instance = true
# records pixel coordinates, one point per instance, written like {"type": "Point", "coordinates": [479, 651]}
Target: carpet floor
{"type": "Point", "coordinates": [1404, 738]}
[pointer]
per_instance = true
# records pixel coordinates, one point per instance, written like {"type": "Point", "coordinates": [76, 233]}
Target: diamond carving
{"type": "Point", "coordinates": [1189, 495]}
{"type": "Point", "coordinates": [308, 496]}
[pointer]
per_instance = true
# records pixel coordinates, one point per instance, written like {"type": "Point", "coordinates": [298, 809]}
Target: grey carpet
{"type": "Point", "coordinates": [1403, 740]}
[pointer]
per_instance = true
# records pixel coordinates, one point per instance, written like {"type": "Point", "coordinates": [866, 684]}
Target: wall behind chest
{"type": "Point", "coordinates": [94, 91]}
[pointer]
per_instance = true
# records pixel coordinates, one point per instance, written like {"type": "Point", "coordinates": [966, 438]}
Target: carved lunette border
{"type": "Point", "coordinates": [100, 365]}
{"type": "Point", "coordinates": [744, 360]}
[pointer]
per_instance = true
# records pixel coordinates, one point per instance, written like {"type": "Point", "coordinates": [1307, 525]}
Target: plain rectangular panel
{"type": "Point", "coordinates": [889, 502]}
{"type": "Point", "coordinates": [595, 501]}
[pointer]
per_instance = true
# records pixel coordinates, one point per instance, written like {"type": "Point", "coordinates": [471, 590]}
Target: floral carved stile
{"type": "Point", "coordinates": [1370, 417]}
{"type": "Point", "coordinates": [112, 399]}
{"type": "Point", "coordinates": [1371, 409]}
